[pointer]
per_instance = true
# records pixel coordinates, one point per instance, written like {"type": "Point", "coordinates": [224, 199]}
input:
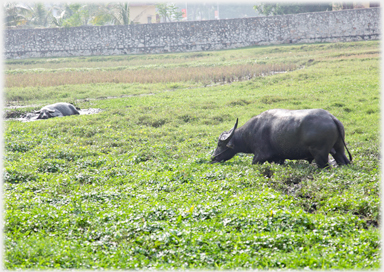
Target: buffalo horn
{"type": "Point", "coordinates": [225, 137]}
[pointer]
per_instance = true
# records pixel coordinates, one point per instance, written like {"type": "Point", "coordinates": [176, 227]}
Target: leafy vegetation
{"type": "Point", "coordinates": [291, 8]}
{"type": "Point", "coordinates": [66, 15]}
{"type": "Point", "coordinates": [132, 187]}
{"type": "Point", "coordinates": [113, 13]}
{"type": "Point", "coordinates": [169, 12]}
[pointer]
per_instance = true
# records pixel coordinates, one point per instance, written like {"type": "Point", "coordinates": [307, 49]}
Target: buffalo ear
{"type": "Point", "coordinates": [51, 111]}
{"type": "Point", "coordinates": [225, 137]}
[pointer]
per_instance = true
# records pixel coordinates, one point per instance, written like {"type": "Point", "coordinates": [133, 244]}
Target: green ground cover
{"type": "Point", "coordinates": [131, 187]}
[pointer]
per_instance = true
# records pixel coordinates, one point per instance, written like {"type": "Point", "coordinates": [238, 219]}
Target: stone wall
{"type": "Point", "coordinates": [333, 26]}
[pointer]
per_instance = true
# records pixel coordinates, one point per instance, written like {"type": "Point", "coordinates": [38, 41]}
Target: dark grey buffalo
{"type": "Point", "coordinates": [278, 134]}
{"type": "Point", "coordinates": [57, 110]}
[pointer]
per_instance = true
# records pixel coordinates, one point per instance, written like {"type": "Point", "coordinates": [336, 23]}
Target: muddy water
{"type": "Point", "coordinates": [32, 116]}
{"type": "Point", "coordinates": [11, 111]}
{"type": "Point", "coordinates": [89, 111]}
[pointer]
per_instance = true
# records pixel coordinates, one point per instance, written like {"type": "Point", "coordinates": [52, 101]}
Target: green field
{"type": "Point", "coordinates": [132, 187]}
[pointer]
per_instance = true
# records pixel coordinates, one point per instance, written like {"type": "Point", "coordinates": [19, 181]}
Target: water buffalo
{"type": "Point", "coordinates": [279, 134]}
{"type": "Point", "coordinates": [57, 110]}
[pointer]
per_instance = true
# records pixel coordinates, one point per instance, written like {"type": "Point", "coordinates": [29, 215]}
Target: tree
{"type": "Point", "coordinates": [123, 12]}
{"type": "Point", "coordinates": [65, 11]}
{"type": "Point", "coordinates": [15, 14]}
{"type": "Point", "coordinates": [169, 12]}
{"type": "Point", "coordinates": [75, 15]}
{"type": "Point", "coordinates": [58, 20]}
{"type": "Point", "coordinates": [113, 13]}
{"type": "Point", "coordinates": [177, 15]}
{"type": "Point", "coordinates": [162, 10]}
{"type": "Point", "coordinates": [72, 15]}
{"type": "Point", "coordinates": [292, 8]}
{"type": "Point", "coordinates": [67, 15]}
{"type": "Point", "coordinates": [38, 15]}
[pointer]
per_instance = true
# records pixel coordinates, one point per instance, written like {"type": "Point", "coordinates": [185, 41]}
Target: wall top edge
{"type": "Point", "coordinates": [191, 22]}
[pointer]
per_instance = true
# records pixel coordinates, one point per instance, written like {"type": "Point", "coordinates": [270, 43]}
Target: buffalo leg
{"type": "Point", "coordinates": [339, 154]}
{"type": "Point", "coordinates": [258, 160]}
{"type": "Point", "coordinates": [321, 157]}
{"type": "Point", "coordinates": [341, 159]}
{"type": "Point", "coordinates": [279, 161]}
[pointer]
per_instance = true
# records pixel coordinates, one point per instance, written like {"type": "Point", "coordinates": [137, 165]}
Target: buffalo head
{"type": "Point", "coordinates": [225, 149]}
{"type": "Point", "coordinates": [44, 113]}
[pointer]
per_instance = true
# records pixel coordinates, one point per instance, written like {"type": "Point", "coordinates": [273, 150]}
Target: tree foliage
{"type": "Point", "coordinates": [291, 8]}
{"type": "Point", "coordinates": [66, 15]}
{"type": "Point", "coordinates": [38, 15]}
{"type": "Point", "coordinates": [169, 12]}
{"type": "Point", "coordinates": [206, 10]}
{"type": "Point", "coordinates": [112, 13]}
{"type": "Point", "coordinates": [15, 14]}
{"type": "Point", "coordinates": [76, 15]}
{"type": "Point", "coordinates": [73, 14]}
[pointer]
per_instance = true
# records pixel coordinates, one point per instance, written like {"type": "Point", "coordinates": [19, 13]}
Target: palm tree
{"type": "Point", "coordinates": [39, 15]}
{"type": "Point", "coordinates": [15, 14]}
{"type": "Point", "coordinates": [76, 15]}
{"type": "Point", "coordinates": [58, 20]}
{"type": "Point", "coordinates": [123, 13]}
{"type": "Point", "coordinates": [114, 13]}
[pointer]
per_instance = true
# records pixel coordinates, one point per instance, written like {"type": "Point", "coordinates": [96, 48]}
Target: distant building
{"type": "Point", "coordinates": [142, 13]}
{"type": "Point", "coordinates": [354, 5]}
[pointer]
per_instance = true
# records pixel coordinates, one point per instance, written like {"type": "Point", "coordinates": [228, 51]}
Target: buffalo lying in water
{"type": "Point", "coordinates": [278, 134]}
{"type": "Point", "coordinates": [57, 110]}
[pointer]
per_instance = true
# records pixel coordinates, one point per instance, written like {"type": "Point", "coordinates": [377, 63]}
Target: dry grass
{"type": "Point", "coordinates": [210, 74]}
{"type": "Point", "coordinates": [203, 67]}
{"type": "Point", "coordinates": [372, 55]}
{"type": "Point", "coordinates": [103, 61]}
